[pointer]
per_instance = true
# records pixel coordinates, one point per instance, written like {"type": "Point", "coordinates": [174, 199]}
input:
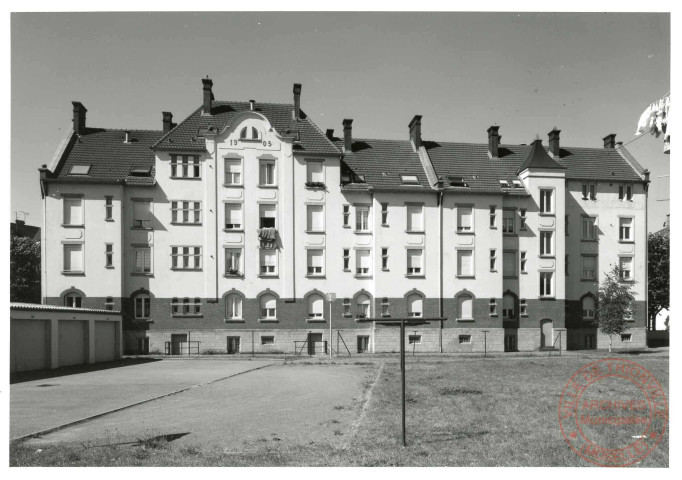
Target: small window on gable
{"type": "Point", "coordinates": [409, 179]}
{"type": "Point", "coordinates": [79, 170]}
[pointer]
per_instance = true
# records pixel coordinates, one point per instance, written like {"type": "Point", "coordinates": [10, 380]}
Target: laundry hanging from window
{"type": "Point", "coordinates": [656, 121]}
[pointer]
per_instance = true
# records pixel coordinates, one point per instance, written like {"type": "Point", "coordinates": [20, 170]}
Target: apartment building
{"type": "Point", "coordinates": [228, 230]}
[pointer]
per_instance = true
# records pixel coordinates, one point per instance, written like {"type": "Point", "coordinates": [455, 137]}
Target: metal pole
{"type": "Point", "coordinates": [330, 330]}
{"type": "Point", "coordinates": [402, 373]}
{"type": "Point", "coordinates": [485, 343]}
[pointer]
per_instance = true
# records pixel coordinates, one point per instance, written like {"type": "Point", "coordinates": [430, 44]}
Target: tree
{"type": "Point", "coordinates": [615, 303]}
{"type": "Point", "coordinates": [658, 246]}
{"type": "Point", "coordinates": [24, 270]}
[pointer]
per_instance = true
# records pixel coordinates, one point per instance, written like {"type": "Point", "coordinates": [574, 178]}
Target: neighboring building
{"type": "Point", "coordinates": [20, 229]}
{"type": "Point", "coordinates": [229, 228]}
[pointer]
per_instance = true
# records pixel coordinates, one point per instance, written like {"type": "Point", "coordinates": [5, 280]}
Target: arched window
{"type": "Point", "coordinates": [414, 305]}
{"type": "Point", "coordinates": [233, 306]}
{"type": "Point", "coordinates": [253, 131]}
{"type": "Point", "coordinates": [508, 306]}
{"type": "Point", "coordinates": [243, 133]}
{"type": "Point", "coordinates": [362, 305]}
{"type": "Point", "coordinates": [464, 307]}
{"type": "Point", "coordinates": [142, 304]}
{"type": "Point", "coordinates": [315, 306]}
{"type": "Point", "coordinates": [268, 306]}
{"type": "Point", "coordinates": [73, 299]}
{"type": "Point", "coordinates": [588, 307]}
{"type": "Point", "coordinates": [255, 135]}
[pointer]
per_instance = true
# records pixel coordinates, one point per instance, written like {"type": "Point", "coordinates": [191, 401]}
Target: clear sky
{"type": "Point", "coordinates": [587, 74]}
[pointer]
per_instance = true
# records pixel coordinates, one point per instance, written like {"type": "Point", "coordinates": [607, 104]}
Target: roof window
{"type": "Point", "coordinates": [141, 171]}
{"type": "Point", "coordinates": [409, 179]}
{"type": "Point", "coordinates": [504, 184]}
{"type": "Point", "coordinates": [457, 182]}
{"type": "Point", "coordinates": [517, 184]}
{"type": "Point", "coordinates": [79, 169]}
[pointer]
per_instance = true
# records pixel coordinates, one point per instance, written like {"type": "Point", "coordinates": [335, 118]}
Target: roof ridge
{"type": "Point", "coordinates": [257, 102]}
{"type": "Point", "coordinates": [164, 136]}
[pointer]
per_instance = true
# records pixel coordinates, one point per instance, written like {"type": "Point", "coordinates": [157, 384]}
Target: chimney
{"type": "Point", "coordinates": [416, 132]}
{"type": "Point", "coordinates": [493, 141]}
{"type": "Point", "coordinates": [610, 141]}
{"type": "Point", "coordinates": [167, 121]}
{"type": "Point", "coordinates": [127, 138]}
{"type": "Point", "coordinates": [554, 148]}
{"type": "Point", "coordinates": [252, 104]}
{"type": "Point", "coordinates": [208, 94]}
{"type": "Point", "coordinates": [330, 134]}
{"type": "Point", "coordinates": [297, 101]}
{"type": "Point", "coordinates": [348, 135]}
{"type": "Point", "coordinates": [19, 228]}
{"type": "Point", "coordinates": [79, 118]}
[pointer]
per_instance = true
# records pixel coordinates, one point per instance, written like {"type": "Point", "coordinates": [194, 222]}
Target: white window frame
{"type": "Point", "coordinates": [583, 275]}
{"type": "Point", "coordinates": [346, 216]}
{"type": "Point", "coordinates": [109, 208]}
{"type": "Point", "coordinates": [309, 172]}
{"type": "Point", "coordinates": [460, 274]}
{"type": "Point", "coordinates": [346, 305]}
{"type": "Point", "coordinates": [141, 223]}
{"type": "Point", "coordinates": [72, 298]}
{"type": "Point", "coordinates": [185, 307]}
{"type": "Point", "coordinates": [546, 248]}
{"type": "Point", "coordinates": [493, 260]}
{"type": "Point", "coordinates": [360, 307]}
{"type": "Point", "coordinates": [189, 209]}
{"type": "Point", "coordinates": [588, 314]}
{"type": "Point", "coordinates": [186, 254]}
{"type": "Point", "coordinates": [631, 271]}
{"type": "Point", "coordinates": [385, 306]}
{"type": "Point", "coordinates": [384, 259]}
{"type": "Point", "coordinates": [108, 255]}
{"type": "Point", "coordinates": [267, 182]}
{"type": "Point", "coordinates": [229, 205]}
{"type": "Point", "coordinates": [67, 221]}
{"type": "Point", "coordinates": [411, 271]}
{"type": "Point", "coordinates": [462, 230]}
{"type": "Point", "coordinates": [309, 255]}
{"type": "Point", "coordinates": [588, 228]}
{"type": "Point", "coordinates": [312, 315]}
{"type": "Point", "coordinates": [140, 308]}
{"type": "Point", "coordinates": [410, 207]}
{"type": "Point", "coordinates": [384, 214]}
{"type": "Point", "coordinates": [264, 208]}
{"type": "Point", "coordinates": [346, 259]}
{"type": "Point", "coordinates": [631, 230]}
{"type": "Point", "coordinates": [228, 177]}
{"type": "Point", "coordinates": [234, 306]}
{"type": "Point", "coordinates": [522, 219]}
{"type": "Point", "coordinates": [359, 271]}
{"type": "Point", "coordinates": [188, 167]}
{"type": "Point", "coordinates": [310, 228]}
{"type": "Point", "coordinates": [544, 208]}
{"type": "Point", "coordinates": [360, 210]}
{"type": "Point", "coordinates": [229, 253]}
{"type": "Point", "coordinates": [523, 307]}
{"type": "Point", "coordinates": [523, 261]}
{"type": "Point", "coordinates": [143, 249]}
{"type": "Point", "coordinates": [458, 306]}
{"type": "Point", "coordinates": [493, 216]}
{"type": "Point", "coordinates": [546, 285]}
{"type": "Point", "coordinates": [75, 246]}
{"type": "Point", "coordinates": [273, 272]}
{"type": "Point", "coordinates": [492, 307]}
{"type": "Point", "coordinates": [625, 192]}
{"type": "Point", "coordinates": [508, 222]}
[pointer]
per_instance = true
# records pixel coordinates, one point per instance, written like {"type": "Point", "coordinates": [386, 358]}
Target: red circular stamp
{"type": "Point", "coordinates": [613, 412]}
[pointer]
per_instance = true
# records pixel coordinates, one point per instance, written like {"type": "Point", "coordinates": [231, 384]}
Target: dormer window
{"type": "Point", "coordinates": [517, 184]}
{"type": "Point", "coordinates": [141, 171]}
{"type": "Point", "coordinates": [409, 179]}
{"type": "Point", "coordinates": [79, 170]}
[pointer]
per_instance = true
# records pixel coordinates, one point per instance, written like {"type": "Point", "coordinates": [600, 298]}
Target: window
{"type": "Point", "coordinates": [384, 307]}
{"type": "Point", "coordinates": [346, 307]}
{"type": "Point", "coordinates": [233, 172]}
{"type": "Point", "coordinates": [628, 313]}
{"type": "Point", "coordinates": [625, 193]}
{"type": "Point", "coordinates": [268, 306]}
{"type": "Point", "coordinates": [109, 255]}
{"type": "Point", "coordinates": [233, 261]}
{"type": "Point", "coordinates": [267, 173]}
{"type": "Point", "coordinates": [415, 218]}
{"type": "Point", "coordinates": [493, 216]}
{"type": "Point", "coordinates": [315, 172]}
{"type": "Point", "coordinates": [415, 262]}
{"type": "Point", "coordinates": [589, 267]}
{"type": "Point", "coordinates": [522, 219]}
{"type": "Point", "coordinates": [465, 219]}
{"type": "Point", "coordinates": [384, 259]}
{"type": "Point", "coordinates": [384, 214]}
{"type": "Point", "coordinates": [509, 264]}
{"type": "Point", "coordinates": [79, 169]}
{"type": "Point", "coordinates": [362, 305]}
{"type": "Point", "coordinates": [626, 268]}
{"type": "Point", "coordinates": [546, 279]}
{"type": "Point", "coordinates": [362, 262]}
{"type": "Point", "coordinates": [246, 131]}
{"type": "Point", "coordinates": [142, 306]}
{"type": "Point", "coordinates": [625, 337]}
{"type": "Point", "coordinates": [415, 305]}
{"type": "Point", "coordinates": [465, 263]}
{"type": "Point", "coordinates": [346, 259]}
{"type": "Point", "coordinates": [268, 262]}
{"type": "Point", "coordinates": [362, 219]}
{"type": "Point", "coordinates": [184, 166]}
{"type": "Point", "coordinates": [625, 229]}
{"type": "Point", "coordinates": [268, 215]}
{"type": "Point", "coordinates": [464, 307]}
{"type": "Point", "coordinates": [73, 211]}
{"type": "Point", "coordinates": [522, 262]}
{"type": "Point", "coordinates": [546, 243]}
{"type": "Point", "coordinates": [109, 209]}
{"type": "Point", "coordinates": [409, 179]}
{"type": "Point", "coordinates": [546, 205]}
{"type": "Point", "coordinates": [233, 216]}
{"type": "Point", "coordinates": [414, 339]}
{"type": "Point", "coordinates": [142, 260]}
{"type": "Point", "coordinates": [363, 343]}
{"type": "Point", "coordinates": [492, 306]}
{"type": "Point", "coordinates": [465, 339]}
{"type": "Point", "coordinates": [233, 307]}
{"type": "Point", "coordinates": [315, 306]}
{"type": "Point", "coordinates": [589, 191]}
{"type": "Point", "coordinates": [508, 221]}
{"type": "Point", "coordinates": [493, 260]}
{"type": "Point", "coordinates": [73, 300]}
{"type": "Point", "coordinates": [109, 303]}
{"type": "Point", "coordinates": [589, 228]}
{"type": "Point", "coordinates": [517, 184]}
{"type": "Point", "coordinates": [508, 307]}
{"type": "Point", "coordinates": [142, 214]}
{"type": "Point", "coordinates": [346, 215]}
{"type": "Point", "coordinates": [186, 258]}
{"type": "Point", "coordinates": [267, 340]}
{"type": "Point", "coordinates": [588, 308]}
{"type": "Point", "coordinates": [315, 262]}
{"type": "Point", "coordinates": [186, 212]}
{"type": "Point", "coordinates": [185, 307]}
{"type": "Point", "coordinates": [523, 307]}
{"type": "Point", "coordinates": [73, 258]}
{"type": "Point", "coordinates": [315, 218]}
{"type": "Point", "coordinates": [504, 184]}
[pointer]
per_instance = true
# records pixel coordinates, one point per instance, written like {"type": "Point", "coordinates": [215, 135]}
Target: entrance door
{"type": "Point", "coordinates": [590, 341]}
{"type": "Point", "coordinates": [232, 345]}
{"type": "Point", "coordinates": [314, 343]}
{"type": "Point", "coordinates": [363, 343]}
{"type": "Point", "coordinates": [510, 343]}
{"type": "Point", "coordinates": [546, 333]}
{"type": "Point", "coordinates": [177, 341]}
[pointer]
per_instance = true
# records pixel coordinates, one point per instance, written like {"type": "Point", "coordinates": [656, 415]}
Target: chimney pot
{"type": "Point", "coordinates": [297, 100]}
{"type": "Point", "coordinates": [554, 146]}
{"type": "Point", "coordinates": [348, 135]}
{"type": "Point", "coordinates": [493, 141]}
{"type": "Point", "coordinates": [79, 118]}
{"type": "Point", "coordinates": [167, 121]}
{"type": "Point", "coordinates": [208, 95]}
{"type": "Point", "coordinates": [330, 134]}
{"type": "Point", "coordinates": [252, 104]}
{"type": "Point", "coordinates": [416, 132]}
{"type": "Point", "coordinates": [610, 141]}
{"type": "Point", "coordinates": [127, 137]}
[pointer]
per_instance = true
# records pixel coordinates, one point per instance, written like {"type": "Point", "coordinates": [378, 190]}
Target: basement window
{"type": "Point", "coordinates": [267, 340]}
{"type": "Point", "coordinates": [465, 339]}
{"type": "Point", "coordinates": [409, 179]}
{"type": "Point", "coordinates": [79, 169]}
{"type": "Point", "coordinates": [625, 337]}
{"type": "Point", "coordinates": [414, 339]}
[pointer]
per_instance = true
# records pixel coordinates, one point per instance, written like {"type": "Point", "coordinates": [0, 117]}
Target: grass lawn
{"type": "Point", "coordinates": [461, 411]}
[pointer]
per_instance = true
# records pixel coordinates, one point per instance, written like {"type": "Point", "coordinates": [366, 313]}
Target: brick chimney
{"type": "Point", "coordinates": [416, 132]}
{"type": "Point", "coordinates": [297, 100]}
{"type": "Point", "coordinates": [493, 141]}
{"type": "Point", "coordinates": [167, 121]}
{"type": "Point", "coordinates": [610, 141]}
{"type": "Point", "coordinates": [348, 135]}
{"type": "Point", "coordinates": [19, 227]}
{"type": "Point", "coordinates": [554, 148]}
{"type": "Point", "coordinates": [79, 118]}
{"type": "Point", "coordinates": [208, 95]}
{"type": "Point", "coordinates": [330, 134]}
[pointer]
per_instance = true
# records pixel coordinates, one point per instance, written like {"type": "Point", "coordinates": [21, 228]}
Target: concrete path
{"type": "Point", "coordinates": [43, 404]}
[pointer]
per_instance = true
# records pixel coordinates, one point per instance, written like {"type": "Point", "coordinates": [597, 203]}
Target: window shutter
{"type": "Point", "coordinates": [414, 217]}
{"type": "Point", "coordinates": [464, 221]}
{"type": "Point", "coordinates": [414, 259]}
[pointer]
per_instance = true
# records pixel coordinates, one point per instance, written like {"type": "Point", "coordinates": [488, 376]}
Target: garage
{"type": "Point", "coordinates": [72, 342]}
{"type": "Point", "coordinates": [29, 345]}
{"type": "Point", "coordinates": [105, 341]}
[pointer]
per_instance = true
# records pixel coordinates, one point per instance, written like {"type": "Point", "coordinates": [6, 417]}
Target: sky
{"type": "Point", "coordinates": [588, 74]}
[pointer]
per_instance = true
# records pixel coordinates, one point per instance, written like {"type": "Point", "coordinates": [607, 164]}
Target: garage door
{"type": "Point", "coordinates": [105, 341]}
{"type": "Point", "coordinates": [29, 345]}
{"type": "Point", "coordinates": [72, 342]}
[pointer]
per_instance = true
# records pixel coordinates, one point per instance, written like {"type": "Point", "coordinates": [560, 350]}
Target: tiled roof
{"type": "Point", "coordinates": [58, 308]}
{"type": "Point", "coordinates": [109, 157]}
{"type": "Point", "coordinates": [27, 231]}
{"type": "Point", "coordinates": [539, 158]}
{"type": "Point", "coordinates": [186, 136]}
